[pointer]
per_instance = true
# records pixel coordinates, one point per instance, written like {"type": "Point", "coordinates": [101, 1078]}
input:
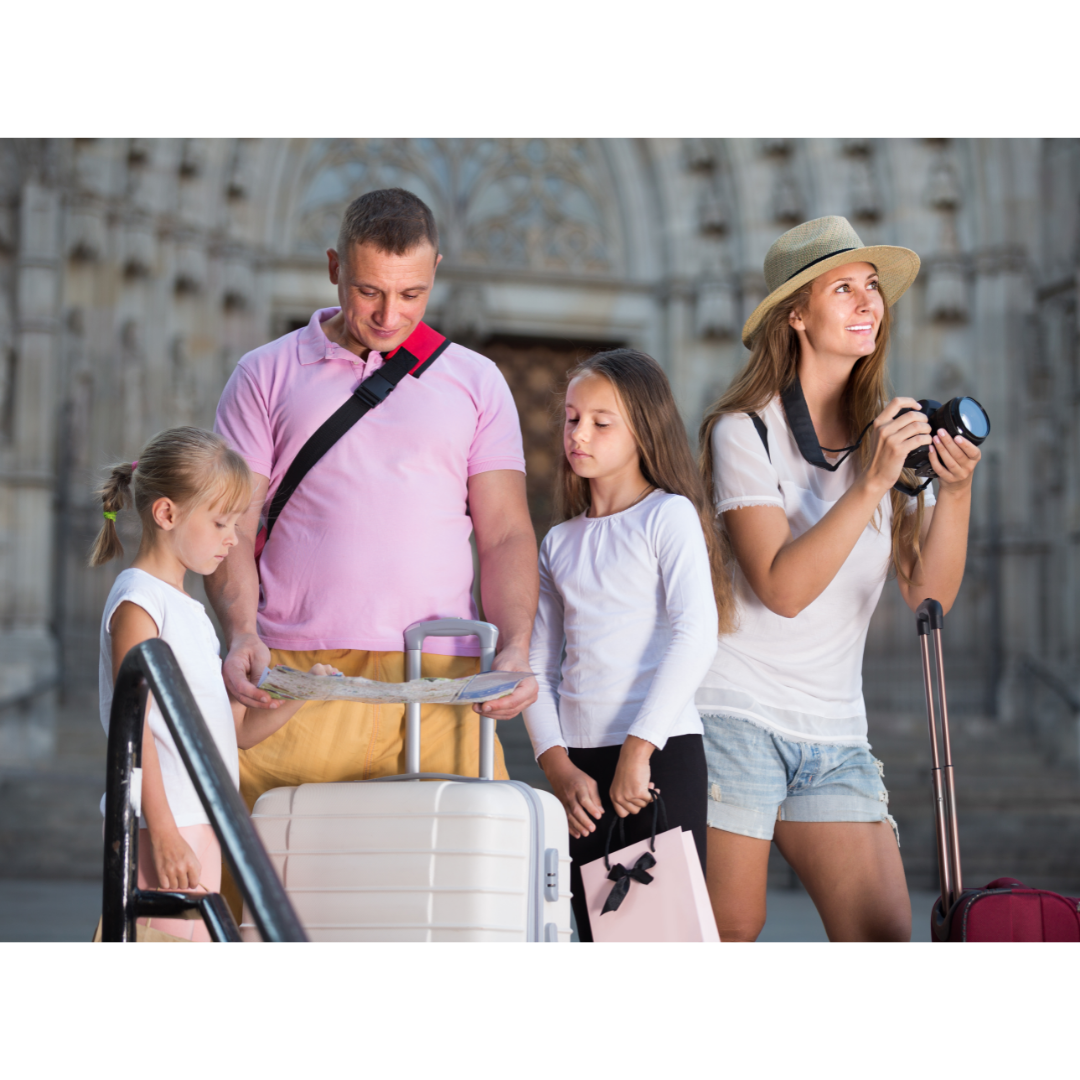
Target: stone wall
{"type": "Point", "coordinates": [134, 273]}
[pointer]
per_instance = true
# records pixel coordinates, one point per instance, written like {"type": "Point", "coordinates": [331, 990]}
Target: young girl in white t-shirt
{"type": "Point", "coordinates": [629, 583]}
{"type": "Point", "coordinates": [189, 489]}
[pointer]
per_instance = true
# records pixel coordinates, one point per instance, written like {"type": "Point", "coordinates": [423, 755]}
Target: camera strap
{"type": "Point", "coordinates": [413, 357]}
{"type": "Point", "coordinates": [802, 427]}
{"type": "Point", "coordinates": [912, 492]}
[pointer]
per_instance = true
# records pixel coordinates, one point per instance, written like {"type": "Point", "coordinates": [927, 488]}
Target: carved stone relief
{"type": "Point", "coordinates": [138, 247]}
{"type": "Point", "coordinates": [86, 238]}
{"type": "Point", "coordinates": [946, 284]}
{"type": "Point", "coordinates": [534, 204]}
{"type": "Point", "coordinates": [133, 383]}
{"type": "Point", "coordinates": [191, 266]}
{"type": "Point", "coordinates": [716, 314]}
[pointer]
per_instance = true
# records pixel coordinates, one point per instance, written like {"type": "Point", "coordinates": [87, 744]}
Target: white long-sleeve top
{"type": "Point", "coordinates": [630, 598]}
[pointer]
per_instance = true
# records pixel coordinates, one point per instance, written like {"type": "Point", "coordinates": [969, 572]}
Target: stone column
{"type": "Point", "coordinates": [27, 644]}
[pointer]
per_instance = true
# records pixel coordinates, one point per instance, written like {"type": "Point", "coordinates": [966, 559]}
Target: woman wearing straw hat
{"type": "Point", "coordinates": [814, 533]}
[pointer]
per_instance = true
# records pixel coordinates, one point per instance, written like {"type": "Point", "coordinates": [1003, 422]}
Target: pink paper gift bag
{"type": "Point", "coordinates": [673, 906]}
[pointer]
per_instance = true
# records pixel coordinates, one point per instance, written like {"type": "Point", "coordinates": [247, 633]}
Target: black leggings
{"type": "Point", "coordinates": [679, 771]}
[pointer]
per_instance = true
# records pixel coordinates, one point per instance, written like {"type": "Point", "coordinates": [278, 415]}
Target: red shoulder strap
{"type": "Point", "coordinates": [424, 345]}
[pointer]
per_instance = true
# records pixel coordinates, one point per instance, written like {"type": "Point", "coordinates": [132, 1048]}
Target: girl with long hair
{"type": "Point", "coordinates": [813, 533]}
{"type": "Point", "coordinates": [633, 588]}
{"type": "Point", "coordinates": [189, 489]}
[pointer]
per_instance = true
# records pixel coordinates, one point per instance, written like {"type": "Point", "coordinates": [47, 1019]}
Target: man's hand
{"type": "Point", "coordinates": [575, 789]}
{"type": "Point", "coordinates": [506, 708]}
{"type": "Point", "coordinates": [248, 658]}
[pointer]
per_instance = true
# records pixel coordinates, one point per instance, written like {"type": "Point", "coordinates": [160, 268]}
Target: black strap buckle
{"type": "Point", "coordinates": [374, 390]}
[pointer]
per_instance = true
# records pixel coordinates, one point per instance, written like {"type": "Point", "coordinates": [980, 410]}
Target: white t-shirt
{"type": "Point", "coordinates": [184, 626]}
{"type": "Point", "coordinates": [630, 597]}
{"type": "Point", "coordinates": [800, 677]}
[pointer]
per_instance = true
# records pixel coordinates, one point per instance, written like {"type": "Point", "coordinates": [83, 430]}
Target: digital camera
{"type": "Point", "coordinates": [960, 416]}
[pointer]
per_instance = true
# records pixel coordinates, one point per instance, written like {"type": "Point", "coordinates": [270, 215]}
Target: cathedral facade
{"type": "Point", "coordinates": [134, 273]}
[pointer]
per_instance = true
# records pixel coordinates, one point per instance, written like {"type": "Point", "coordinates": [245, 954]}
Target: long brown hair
{"type": "Point", "coordinates": [188, 465]}
{"type": "Point", "coordinates": [664, 455]}
{"type": "Point", "coordinates": [773, 366]}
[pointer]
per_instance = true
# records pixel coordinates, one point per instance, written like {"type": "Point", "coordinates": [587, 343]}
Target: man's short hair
{"type": "Point", "coordinates": [393, 221]}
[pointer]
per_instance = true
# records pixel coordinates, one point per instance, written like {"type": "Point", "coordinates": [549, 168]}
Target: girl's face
{"type": "Point", "coordinates": [597, 438]}
{"type": "Point", "coordinates": [201, 537]}
{"type": "Point", "coordinates": [844, 313]}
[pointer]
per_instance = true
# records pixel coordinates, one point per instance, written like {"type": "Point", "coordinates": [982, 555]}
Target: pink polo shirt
{"type": "Point", "coordinates": [377, 534]}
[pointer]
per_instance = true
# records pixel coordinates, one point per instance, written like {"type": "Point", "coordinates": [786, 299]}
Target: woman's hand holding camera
{"type": "Point", "coordinates": [895, 436]}
{"type": "Point", "coordinates": [954, 460]}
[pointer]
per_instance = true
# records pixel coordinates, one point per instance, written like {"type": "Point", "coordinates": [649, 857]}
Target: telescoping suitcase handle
{"type": "Point", "coordinates": [929, 620]}
{"type": "Point", "coordinates": [488, 633]}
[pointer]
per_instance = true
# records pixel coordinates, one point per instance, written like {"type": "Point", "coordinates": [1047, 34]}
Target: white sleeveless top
{"type": "Point", "coordinates": [184, 626]}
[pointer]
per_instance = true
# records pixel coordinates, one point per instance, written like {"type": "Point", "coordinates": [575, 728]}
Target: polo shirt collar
{"type": "Point", "coordinates": [314, 345]}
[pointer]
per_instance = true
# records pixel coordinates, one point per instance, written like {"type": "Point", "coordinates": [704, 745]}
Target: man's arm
{"type": "Point", "coordinates": [509, 581]}
{"type": "Point", "coordinates": [233, 592]}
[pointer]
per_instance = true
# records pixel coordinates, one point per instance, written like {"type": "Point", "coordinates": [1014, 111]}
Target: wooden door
{"type": "Point", "coordinates": [536, 371]}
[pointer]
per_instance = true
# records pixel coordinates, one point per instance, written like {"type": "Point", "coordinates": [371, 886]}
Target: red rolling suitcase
{"type": "Point", "coordinates": [1004, 910]}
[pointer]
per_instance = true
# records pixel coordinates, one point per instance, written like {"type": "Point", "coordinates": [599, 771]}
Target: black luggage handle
{"type": "Point", "coordinates": [929, 616]}
{"type": "Point", "coordinates": [929, 621]}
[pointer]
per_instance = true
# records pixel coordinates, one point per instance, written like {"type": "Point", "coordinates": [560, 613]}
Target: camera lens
{"type": "Point", "coordinates": [960, 416]}
{"type": "Point", "coordinates": [973, 418]}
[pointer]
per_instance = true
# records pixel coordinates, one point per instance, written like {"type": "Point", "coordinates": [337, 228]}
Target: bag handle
{"type": "Point", "coordinates": [658, 809]}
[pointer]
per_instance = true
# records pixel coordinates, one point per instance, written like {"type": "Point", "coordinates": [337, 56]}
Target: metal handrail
{"type": "Point", "coordinates": [1053, 681]}
{"type": "Point", "coordinates": [151, 667]}
{"type": "Point", "coordinates": [1041, 674]}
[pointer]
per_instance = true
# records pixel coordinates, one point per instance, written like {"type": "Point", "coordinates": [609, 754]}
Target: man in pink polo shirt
{"type": "Point", "coordinates": [376, 535]}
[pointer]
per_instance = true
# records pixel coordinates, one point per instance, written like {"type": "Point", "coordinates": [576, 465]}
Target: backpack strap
{"type": "Point", "coordinates": [762, 430]}
{"type": "Point", "coordinates": [413, 357]}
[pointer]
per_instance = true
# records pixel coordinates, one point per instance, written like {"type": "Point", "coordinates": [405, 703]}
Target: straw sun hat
{"type": "Point", "coordinates": [808, 250]}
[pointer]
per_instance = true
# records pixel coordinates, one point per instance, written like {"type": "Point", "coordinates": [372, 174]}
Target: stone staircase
{"type": "Point", "coordinates": [1019, 815]}
{"type": "Point", "coordinates": [50, 825]}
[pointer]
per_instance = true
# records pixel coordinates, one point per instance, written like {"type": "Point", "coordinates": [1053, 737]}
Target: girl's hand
{"type": "Point", "coordinates": [631, 790]}
{"type": "Point", "coordinates": [954, 460]}
{"type": "Point", "coordinates": [894, 437]}
{"type": "Point", "coordinates": [576, 790]}
{"type": "Point", "coordinates": [323, 669]}
{"type": "Point", "coordinates": [176, 864]}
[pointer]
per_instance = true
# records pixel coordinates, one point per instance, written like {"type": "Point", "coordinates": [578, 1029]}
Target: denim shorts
{"type": "Point", "coordinates": [757, 778]}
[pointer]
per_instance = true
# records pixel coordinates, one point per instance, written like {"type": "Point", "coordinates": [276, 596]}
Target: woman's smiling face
{"type": "Point", "coordinates": [845, 311]}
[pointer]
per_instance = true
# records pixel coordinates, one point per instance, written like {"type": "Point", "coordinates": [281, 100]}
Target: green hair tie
{"type": "Point", "coordinates": [110, 514]}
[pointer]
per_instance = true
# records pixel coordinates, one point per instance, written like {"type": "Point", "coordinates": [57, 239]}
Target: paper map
{"type": "Point", "coordinates": [286, 682]}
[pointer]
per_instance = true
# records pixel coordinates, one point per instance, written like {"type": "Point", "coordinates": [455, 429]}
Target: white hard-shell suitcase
{"type": "Point", "coordinates": [422, 856]}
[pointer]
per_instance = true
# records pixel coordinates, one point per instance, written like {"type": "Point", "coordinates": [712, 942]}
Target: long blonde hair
{"type": "Point", "coordinates": [664, 455]}
{"type": "Point", "coordinates": [774, 365]}
{"type": "Point", "coordinates": [188, 465]}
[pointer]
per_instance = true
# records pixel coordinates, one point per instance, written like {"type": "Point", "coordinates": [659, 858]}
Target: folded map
{"type": "Point", "coordinates": [286, 682]}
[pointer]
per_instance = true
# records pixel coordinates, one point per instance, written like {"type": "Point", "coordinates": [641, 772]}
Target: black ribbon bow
{"type": "Point", "coordinates": [640, 870]}
{"type": "Point", "coordinates": [621, 876]}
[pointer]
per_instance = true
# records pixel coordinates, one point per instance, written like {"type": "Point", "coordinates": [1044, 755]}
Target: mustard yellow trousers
{"type": "Point", "coordinates": [342, 740]}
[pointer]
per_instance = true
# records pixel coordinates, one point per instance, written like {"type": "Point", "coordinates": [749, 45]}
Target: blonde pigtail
{"type": "Point", "coordinates": [114, 496]}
